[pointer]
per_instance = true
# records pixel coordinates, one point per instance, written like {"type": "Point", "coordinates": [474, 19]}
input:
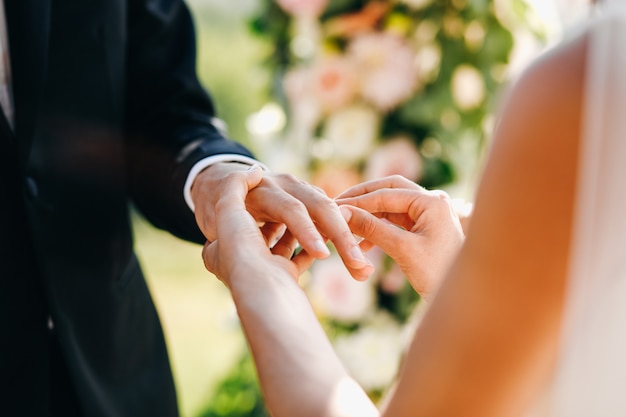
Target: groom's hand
{"type": "Point", "coordinates": [281, 199]}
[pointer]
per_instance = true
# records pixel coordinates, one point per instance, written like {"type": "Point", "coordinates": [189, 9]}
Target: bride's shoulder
{"type": "Point", "coordinates": [543, 107]}
{"type": "Point", "coordinates": [558, 75]}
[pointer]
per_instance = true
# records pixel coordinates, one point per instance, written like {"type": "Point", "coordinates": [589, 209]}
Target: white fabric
{"type": "Point", "coordinates": [590, 377]}
{"type": "Point", "coordinates": [6, 93]}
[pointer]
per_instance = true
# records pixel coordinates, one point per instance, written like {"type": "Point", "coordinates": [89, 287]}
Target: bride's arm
{"type": "Point", "coordinates": [300, 374]}
{"type": "Point", "coordinates": [489, 340]}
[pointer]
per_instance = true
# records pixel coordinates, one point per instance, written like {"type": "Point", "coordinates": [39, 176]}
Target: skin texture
{"type": "Point", "coordinates": [488, 342]}
{"type": "Point", "coordinates": [399, 206]}
{"type": "Point", "coordinates": [281, 199]}
{"type": "Point", "coordinates": [276, 324]}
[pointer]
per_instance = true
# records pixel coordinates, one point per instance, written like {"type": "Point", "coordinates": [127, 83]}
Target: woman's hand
{"type": "Point", "coordinates": [418, 228]}
{"type": "Point", "coordinates": [241, 249]}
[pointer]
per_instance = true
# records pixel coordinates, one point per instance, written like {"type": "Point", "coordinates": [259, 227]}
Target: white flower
{"type": "Point", "coordinates": [266, 122]}
{"type": "Point", "coordinates": [387, 68]}
{"type": "Point", "coordinates": [428, 60]}
{"type": "Point", "coordinates": [352, 132]}
{"type": "Point", "coordinates": [372, 353]}
{"type": "Point", "coordinates": [395, 156]}
{"type": "Point", "coordinates": [426, 31]}
{"type": "Point", "coordinates": [335, 294]}
{"type": "Point", "coordinates": [303, 7]}
{"type": "Point", "coordinates": [468, 87]}
{"type": "Point", "coordinates": [474, 35]}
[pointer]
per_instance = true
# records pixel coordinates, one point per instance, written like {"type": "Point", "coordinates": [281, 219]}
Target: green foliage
{"type": "Point", "coordinates": [238, 395]}
{"type": "Point", "coordinates": [468, 34]}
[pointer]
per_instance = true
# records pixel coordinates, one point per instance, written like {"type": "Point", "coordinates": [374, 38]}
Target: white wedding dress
{"type": "Point", "coordinates": [590, 377]}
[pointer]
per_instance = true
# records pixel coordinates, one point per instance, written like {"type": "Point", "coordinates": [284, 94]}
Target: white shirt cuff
{"type": "Point", "coordinates": [204, 163]}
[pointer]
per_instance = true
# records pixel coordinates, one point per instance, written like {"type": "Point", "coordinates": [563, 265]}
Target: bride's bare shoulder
{"type": "Point", "coordinates": [529, 181]}
{"type": "Point", "coordinates": [554, 79]}
{"type": "Point", "coordinates": [543, 112]}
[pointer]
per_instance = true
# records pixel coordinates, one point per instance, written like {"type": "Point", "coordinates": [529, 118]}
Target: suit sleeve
{"type": "Point", "coordinates": [168, 114]}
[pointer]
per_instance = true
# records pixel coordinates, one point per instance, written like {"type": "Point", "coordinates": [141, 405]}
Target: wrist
{"type": "Point", "coordinates": [211, 161]}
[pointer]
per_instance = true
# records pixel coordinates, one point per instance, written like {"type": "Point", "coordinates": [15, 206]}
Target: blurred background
{"type": "Point", "coordinates": [337, 92]}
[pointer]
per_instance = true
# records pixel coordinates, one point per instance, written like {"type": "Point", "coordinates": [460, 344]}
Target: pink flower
{"type": "Point", "coordinates": [304, 107]}
{"type": "Point", "coordinates": [334, 83]}
{"type": "Point", "coordinates": [303, 7]}
{"type": "Point", "coordinates": [393, 280]}
{"type": "Point", "coordinates": [335, 179]}
{"type": "Point", "coordinates": [396, 156]}
{"type": "Point", "coordinates": [387, 68]}
{"type": "Point", "coordinates": [334, 293]}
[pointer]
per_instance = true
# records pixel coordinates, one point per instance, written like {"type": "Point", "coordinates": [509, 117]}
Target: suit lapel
{"type": "Point", "coordinates": [28, 25]}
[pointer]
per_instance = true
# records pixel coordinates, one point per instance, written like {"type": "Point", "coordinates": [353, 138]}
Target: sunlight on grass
{"type": "Point", "coordinates": [198, 318]}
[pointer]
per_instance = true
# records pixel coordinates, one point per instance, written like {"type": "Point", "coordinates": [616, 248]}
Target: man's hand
{"type": "Point", "coordinates": [281, 199]}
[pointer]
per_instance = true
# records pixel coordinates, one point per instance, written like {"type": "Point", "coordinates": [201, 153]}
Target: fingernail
{"type": "Point", "coordinates": [320, 246]}
{"type": "Point", "coordinates": [346, 213]}
{"type": "Point", "coordinates": [254, 167]}
{"type": "Point", "coordinates": [358, 256]}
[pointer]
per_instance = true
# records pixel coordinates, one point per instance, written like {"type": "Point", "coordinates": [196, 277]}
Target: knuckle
{"type": "Point", "coordinates": [287, 178]}
{"type": "Point", "coordinates": [328, 202]}
{"type": "Point", "coordinates": [441, 201]}
{"type": "Point", "coordinates": [292, 205]}
{"type": "Point", "coordinates": [365, 225]}
{"type": "Point", "coordinates": [346, 235]}
{"type": "Point", "coordinates": [370, 225]}
{"type": "Point", "coordinates": [235, 176]}
{"type": "Point", "coordinates": [442, 195]}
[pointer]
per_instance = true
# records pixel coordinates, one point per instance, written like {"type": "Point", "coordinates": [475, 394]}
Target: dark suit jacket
{"type": "Point", "coordinates": [108, 111]}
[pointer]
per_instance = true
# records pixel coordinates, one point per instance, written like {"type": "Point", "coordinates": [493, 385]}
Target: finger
{"type": "Point", "coordinates": [272, 232]}
{"type": "Point", "coordinates": [309, 215]}
{"type": "Point", "coordinates": [236, 228]}
{"type": "Point", "coordinates": [331, 224]}
{"type": "Point", "coordinates": [207, 190]}
{"type": "Point", "coordinates": [393, 181]}
{"type": "Point", "coordinates": [210, 257]}
{"type": "Point", "coordinates": [303, 261]}
{"type": "Point", "coordinates": [390, 201]}
{"type": "Point", "coordinates": [374, 230]}
{"type": "Point", "coordinates": [402, 220]}
{"type": "Point", "coordinates": [272, 203]}
{"type": "Point", "coordinates": [366, 245]}
{"type": "Point", "coordinates": [285, 245]}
